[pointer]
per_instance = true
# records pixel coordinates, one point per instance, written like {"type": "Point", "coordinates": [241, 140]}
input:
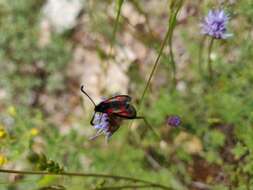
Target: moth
{"type": "Point", "coordinates": [117, 105]}
{"type": "Point", "coordinates": [116, 108]}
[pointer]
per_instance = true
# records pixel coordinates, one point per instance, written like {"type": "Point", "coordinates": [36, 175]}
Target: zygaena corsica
{"type": "Point", "coordinates": [110, 112]}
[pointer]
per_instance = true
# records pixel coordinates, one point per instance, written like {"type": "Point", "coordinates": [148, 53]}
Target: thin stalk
{"type": "Point", "coordinates": [115, 27]}
{"type": "Point", "coordinates": [168, 36]}
{"type": "Point", "coordinates": [155, 66]}
{"type": "Point", "coordinates": [150, 77]}
{"type": "Point", "coordinates": [209, 61]}
{"type": "Point", "coordinates": [126, 187]}
{"type": "Point", "coordinates": [172, 24]}
{"type": "Point", "coordinates": [120, 3]}
{"type": "Point", "coordinates": [84, 175]}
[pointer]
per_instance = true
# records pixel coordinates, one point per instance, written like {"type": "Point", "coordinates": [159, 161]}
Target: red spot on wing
{"type": "Point", "coordinates": [120, 106]}
{"type": "Point", "coordinates": [127, 112]}
{"type": "Point", "coordinates": [110, 111]}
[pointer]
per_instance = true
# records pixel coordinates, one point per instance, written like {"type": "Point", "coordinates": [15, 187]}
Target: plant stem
{"type": "Point", "coordinates": [150, 77]}
{"type": "Point", "coordinates": [154, 67]}
{"type": "Point", "coordinates": [172, 24]}
{"type": "Point", "coordinates": [168, 36]}
{"type": "Point", "coordinates": [125, 187]}
{"type": "Point", "coordinates": [85, 175]}
{"type": "Point", "coordinates": [115, 27]}
{"type": "Point", "coordinates": [119, 4]}
{"type": "Point", "coordinates": [209, 62]}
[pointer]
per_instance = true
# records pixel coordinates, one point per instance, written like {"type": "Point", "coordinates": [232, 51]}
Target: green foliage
{"type": "Point", "coordinates": [213, 145]}
{"type": "Point", "coordinates": [239, 150]}
{"type": "Point", "coordinates": [27, 65]}
{"type": "Point", "coordinates": [42, 163]}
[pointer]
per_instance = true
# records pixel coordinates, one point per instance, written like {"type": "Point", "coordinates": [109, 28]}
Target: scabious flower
{"type": "Point", "coordinates": [105, 125]}
{"type": "Point", "coordinates": [215, 24]}
{"type": "Point", "coordinates": [102, 124]}
{"type": "Point", "coordinates": [173, 121]}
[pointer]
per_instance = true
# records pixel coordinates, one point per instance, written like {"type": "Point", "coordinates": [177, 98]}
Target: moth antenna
{"type": "Point", "coordinates": [83, 91]}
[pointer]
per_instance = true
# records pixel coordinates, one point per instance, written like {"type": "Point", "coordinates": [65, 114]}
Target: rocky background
{"type": "Point", "coordinates": [48, 49]}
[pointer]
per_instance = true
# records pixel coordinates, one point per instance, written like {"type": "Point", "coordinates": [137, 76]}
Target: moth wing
{"type": "Point", "coordinates": [128, 111]}
{"type": "Point", "coordinates": [118, 98]}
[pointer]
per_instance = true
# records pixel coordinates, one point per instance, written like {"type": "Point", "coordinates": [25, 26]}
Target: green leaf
{"type": "Point", "coordinates": [239, 150]}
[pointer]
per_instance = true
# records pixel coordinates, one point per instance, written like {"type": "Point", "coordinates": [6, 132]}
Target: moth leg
{"type": "Point", "coordinates": [92, 119]}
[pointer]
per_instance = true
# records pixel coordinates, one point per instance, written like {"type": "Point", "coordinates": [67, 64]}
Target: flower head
{"type": "Point", "coordinates": [34, 132]}
{"type": "Point", "coordinates": [215, 24]}
{"type": "Point", "coordinates": [173, 121]}
{"type": "Point", "coordinates": [105, 125]}
{"type": "Point", "coordinates": [3, 159]}
{"type": "Point", "coordinates": [102, 123]}
{"type": "Point", "coordinates": [3, 132]}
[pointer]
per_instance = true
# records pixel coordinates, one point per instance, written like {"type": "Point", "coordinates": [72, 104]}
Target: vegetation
{"type": "Point", "coordinates": [161, 60]}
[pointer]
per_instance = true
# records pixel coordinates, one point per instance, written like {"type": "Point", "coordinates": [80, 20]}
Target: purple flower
{"type": "Point", "coordinates": [106, 125]}
{"type": "Point", "coordinates": [173, 121]}
{"type": "Point", "coordinates": [215, 24]}
{"type": "Point", "coordinates": [102, 125]}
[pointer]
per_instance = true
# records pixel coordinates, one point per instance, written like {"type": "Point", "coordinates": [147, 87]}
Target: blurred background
{"type": "Point", "coordinates": [48, 49]}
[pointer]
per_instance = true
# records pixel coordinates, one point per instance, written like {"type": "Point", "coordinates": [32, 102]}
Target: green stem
{"type": "Point", "coordinates": [84, 175]}
{"type": "Point", "coordinates": [125, 187]}
{"type": "Point", "coordinates": [150, 77]}
{"type": "Point", "coordinates": [115, 27]}
{"type": "Point", "coordinates": [168, 36]}
{"type": "Point", "coordinates": [154, 67]}
{"type": "Point", "coordinates": [172, 24]}
{"type": "Point", "coordinates": [120, 3]}
{"type": "Point", "coordinates": [209, 62]}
